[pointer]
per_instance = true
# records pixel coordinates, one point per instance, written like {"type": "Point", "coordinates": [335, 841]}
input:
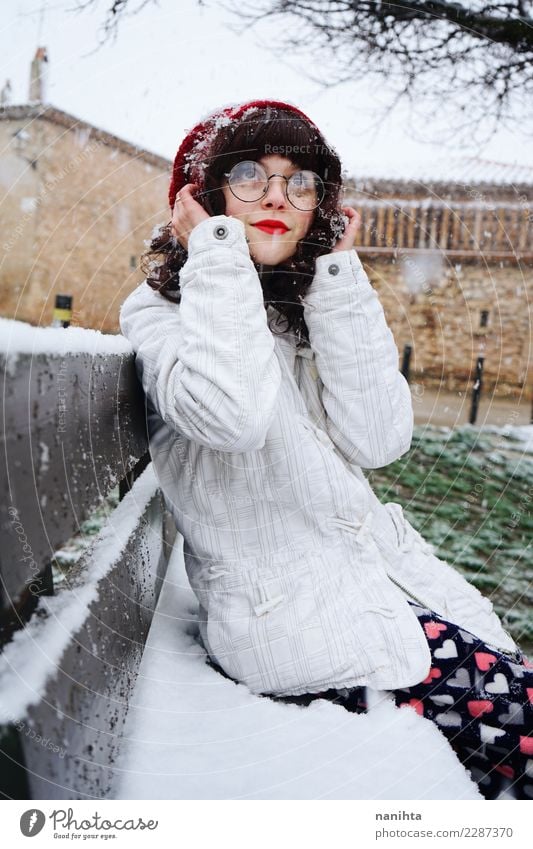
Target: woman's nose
{"type": "Point", "coordinates": [276, 194]}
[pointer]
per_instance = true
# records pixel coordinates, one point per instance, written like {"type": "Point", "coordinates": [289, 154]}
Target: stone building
{"type": "Point", "coordinates": [77, 205]}
{"type": "Point", "coordinates": [451, 258]}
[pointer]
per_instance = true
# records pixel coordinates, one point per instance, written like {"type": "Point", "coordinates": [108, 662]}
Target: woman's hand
{"type": "Point", "coordinates": [187, 214]}
{"type": "Point", "coordinates": [347, 240]}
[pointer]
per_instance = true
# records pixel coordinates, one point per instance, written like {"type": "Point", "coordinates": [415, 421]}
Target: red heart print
{"type": "Point", "coordinates": [529, 691]}
{"type": "Point", "coordinates": [477, 708]}
{"type": "Point", "coordinates": [508, 771]}
{"type": "Point", "coordinates": [483, 660]}
{"type": "Point", "coordinates": [433, 673]}
{"type": "Point", "coordinates": [528, 663]}
{"type": "Point", "coordinates": [433, 629]}
{"type": "Point", "coordinates": [526, 746]}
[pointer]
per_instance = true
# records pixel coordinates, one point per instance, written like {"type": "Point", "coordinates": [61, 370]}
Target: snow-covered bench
{"type": "Point", "coordinates": [74, 427]}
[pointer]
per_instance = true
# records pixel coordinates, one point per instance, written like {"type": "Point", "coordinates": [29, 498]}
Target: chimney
{"type": "Point", "coordinates": [5, 94]}
{"type": "Point", "coordinates": [37, 76]}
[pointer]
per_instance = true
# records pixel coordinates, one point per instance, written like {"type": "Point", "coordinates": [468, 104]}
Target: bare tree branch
{"type": "Point", "coordinates": [474, 55]}
{"type": "Point", "coordinates": [477, 56]}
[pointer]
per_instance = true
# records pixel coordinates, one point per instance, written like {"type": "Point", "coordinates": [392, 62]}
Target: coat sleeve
{"type": "Point", "coordinates": [208, 365]}
{"type": "Point", "coordinates": [367, 401]}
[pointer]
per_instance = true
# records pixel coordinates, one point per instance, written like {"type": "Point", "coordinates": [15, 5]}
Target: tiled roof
{"type": "Point", "coordinates": [43, 111]}
{"type": "Point", "coordinates": [466, 171]}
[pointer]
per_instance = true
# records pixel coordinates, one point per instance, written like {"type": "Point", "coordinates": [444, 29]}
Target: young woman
{"type": "Point", "coordinates": [272, 380]}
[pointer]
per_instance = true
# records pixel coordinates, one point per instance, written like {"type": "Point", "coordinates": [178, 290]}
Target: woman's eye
{"type": "Point", "coordinates": [247, 171]}
{"type": "Point", "coordinates": [302, 183]}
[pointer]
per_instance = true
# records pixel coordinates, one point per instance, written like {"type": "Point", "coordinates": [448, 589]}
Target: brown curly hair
{"type": "Point", "coordinates": [253, 136]}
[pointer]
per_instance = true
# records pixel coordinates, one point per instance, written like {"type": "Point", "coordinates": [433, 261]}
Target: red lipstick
{"type": "Point", "coordinates": [271, 226]}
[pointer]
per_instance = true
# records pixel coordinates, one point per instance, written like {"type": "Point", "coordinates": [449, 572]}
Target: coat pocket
{"type": "Point", "coordinates": [293, 625]}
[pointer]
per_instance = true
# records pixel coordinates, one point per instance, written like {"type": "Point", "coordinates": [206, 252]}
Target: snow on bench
{"type": "Point", "coordinates": [190, 733]}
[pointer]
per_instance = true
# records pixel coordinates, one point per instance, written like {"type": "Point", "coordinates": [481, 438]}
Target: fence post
{"type": "Point", "coordinates": [407, 351]}
{"type": "Point", "coordinates": [476, 393]}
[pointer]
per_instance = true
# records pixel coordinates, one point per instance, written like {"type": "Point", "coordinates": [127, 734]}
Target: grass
{"type": "Point", "coordinates": [470, 493]}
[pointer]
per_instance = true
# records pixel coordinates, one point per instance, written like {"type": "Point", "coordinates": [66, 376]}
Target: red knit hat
{"type": "Point", "coordinates": [187, 168]}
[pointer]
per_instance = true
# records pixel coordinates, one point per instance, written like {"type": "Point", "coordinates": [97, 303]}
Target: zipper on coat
{"type": "Point", "coordinates": [409, 593]}
{"type": "Point", "coordinates": [516, 655]}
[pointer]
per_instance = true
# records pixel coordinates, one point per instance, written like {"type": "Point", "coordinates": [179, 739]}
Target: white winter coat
{"type": "Point", "coordinates": [258, 447]}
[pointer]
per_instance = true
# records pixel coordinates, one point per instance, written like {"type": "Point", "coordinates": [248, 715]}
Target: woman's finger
{"type": "Point", "coordinates": [186, 194]}
{"type": "Point", "coordinates": [352, 214]}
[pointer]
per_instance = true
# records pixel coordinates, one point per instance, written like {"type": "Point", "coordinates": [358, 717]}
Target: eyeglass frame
{"type": "Point", "coordinates": [265, 192]}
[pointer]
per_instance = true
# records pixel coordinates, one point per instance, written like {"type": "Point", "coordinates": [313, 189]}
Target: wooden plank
{"type": "Point", "coordinates": [400, 226]}
{"type": "Point", "coordinates": [412, 219]}
{"type": "Point", "coordinates": [444, 233]}
{"type": "Point", "coordinates": [74, 425]}
{"type": "Point", "coordinates": [474, 255]}
{"type": "Point", "coordinates": [379, 238]}
{"type": "Point", "coordinates": [422, 233]}
{"type": "Point", "coordinates": [389, 227]}
{"type": "Point", "coordinates": [433, 226]}
{"type": "Point", "coordinates": [71, 736]}
{"type": "Point", "coordinates": [478, 225]}
{"type": "Point", "coordinates": [524, 231]}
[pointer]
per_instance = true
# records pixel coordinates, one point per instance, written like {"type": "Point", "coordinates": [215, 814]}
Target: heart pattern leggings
{"type": "Point", "coordinates": [480, 699]}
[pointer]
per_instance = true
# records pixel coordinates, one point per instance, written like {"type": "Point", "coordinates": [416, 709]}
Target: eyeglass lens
{"type": "Point", "coordinates": [249, 182]}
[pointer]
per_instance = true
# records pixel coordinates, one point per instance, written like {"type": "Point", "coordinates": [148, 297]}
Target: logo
{"type": "Point", "coordinates": [31, 822]}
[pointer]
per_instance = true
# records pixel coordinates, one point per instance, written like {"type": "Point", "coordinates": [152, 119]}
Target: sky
{"type": "Point", "coordinates": [173, 63]}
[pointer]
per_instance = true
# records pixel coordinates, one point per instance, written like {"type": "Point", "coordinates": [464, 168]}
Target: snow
{"type": "Point", "coordinates": [417, 204]}
{"type": "Point", "coordinates": [34, 654]}
{"type": "Point", "coordinates": [523, 434]}
{"type": "Point", "coordinates": [28, 204]}
{"type": "Point", "coordinates": [465, 170]}
{"type": "Point", "coordinates": [17, 337]}
{"type": "Point", "coordinates": [190, 733]}
{"type": "Point", "coordinates": [44, 458]}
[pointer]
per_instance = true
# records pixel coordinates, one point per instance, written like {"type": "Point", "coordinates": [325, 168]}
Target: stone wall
{"type": "Point", "coordinates": [442, 321]}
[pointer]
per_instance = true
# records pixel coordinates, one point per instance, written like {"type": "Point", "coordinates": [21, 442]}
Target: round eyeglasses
{"type": "Point", "coordinates": [248, 182]}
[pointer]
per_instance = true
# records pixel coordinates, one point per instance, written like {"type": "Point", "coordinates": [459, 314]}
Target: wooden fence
{"type": "Point", "coordinates": [460, 229]}
{"type": "Point", "coordinates": [74, 428]}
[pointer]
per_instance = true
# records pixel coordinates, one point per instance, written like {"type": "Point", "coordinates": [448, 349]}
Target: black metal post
{"type": "Point", "coordinates": [407, 351]}
{"type": "Point", "coordinates": [476, 392]}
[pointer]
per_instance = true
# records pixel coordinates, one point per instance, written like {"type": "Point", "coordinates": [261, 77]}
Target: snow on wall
{"type": "Point", "coordinates": [17, 337]}
{"type": "Point", "coordinates": [35, 652]}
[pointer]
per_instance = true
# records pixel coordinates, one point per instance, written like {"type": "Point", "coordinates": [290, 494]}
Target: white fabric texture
{"type": "Point", "coordinates": [259, 446]}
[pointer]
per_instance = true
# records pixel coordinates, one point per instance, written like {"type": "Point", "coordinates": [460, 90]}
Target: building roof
{"type": "Point", "coordinates": [43, 111]}
{"type": "Point", "coordinates": [445, 176]}
{"type": "Point", "coordinates": [467, 170]}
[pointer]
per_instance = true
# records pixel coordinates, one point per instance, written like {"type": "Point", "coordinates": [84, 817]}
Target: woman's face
{"type": "Point", "coordinates": [271, 245]}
